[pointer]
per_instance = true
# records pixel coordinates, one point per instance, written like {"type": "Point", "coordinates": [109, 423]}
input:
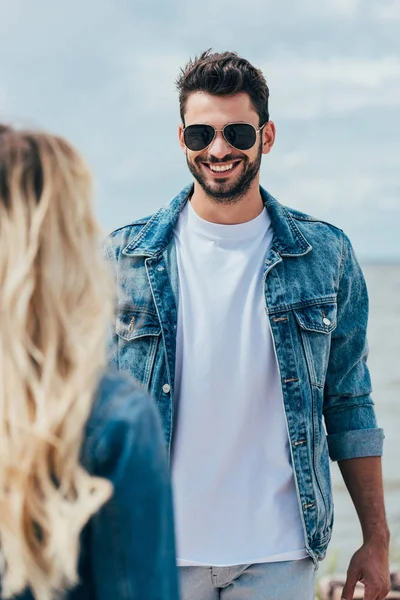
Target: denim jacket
{"type": "Point", "coordinates": [127, 547]}
{"type": "Point", "coordinates": [317, 305]}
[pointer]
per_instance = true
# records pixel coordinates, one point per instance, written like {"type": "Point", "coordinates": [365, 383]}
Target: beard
{"type": "Point", "coordinates": [223, 190]}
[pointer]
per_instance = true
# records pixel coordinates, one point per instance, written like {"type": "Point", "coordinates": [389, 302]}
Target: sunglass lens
{"type": "Point", "coordinates": [240, 135]}
{"type": "Point", "coordinates": [198, 137]}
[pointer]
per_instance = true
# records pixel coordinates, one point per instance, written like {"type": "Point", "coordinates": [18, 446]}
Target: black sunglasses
{"type": "Point", "coordinates": [241, 136]}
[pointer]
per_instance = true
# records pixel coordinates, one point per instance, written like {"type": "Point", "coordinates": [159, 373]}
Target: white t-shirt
{"type": "Point", "coordinates": [234, 491]}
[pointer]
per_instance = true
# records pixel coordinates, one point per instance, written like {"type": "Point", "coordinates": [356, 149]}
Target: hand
{"type": "Point", "coordinates": [370, 565]}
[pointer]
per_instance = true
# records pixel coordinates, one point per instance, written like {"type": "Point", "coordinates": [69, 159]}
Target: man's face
{"type": "Point", "coordinates": [241, 167]}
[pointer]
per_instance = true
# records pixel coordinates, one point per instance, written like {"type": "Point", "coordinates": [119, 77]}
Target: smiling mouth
{"type": "Point", "coordinates": [224, 169]}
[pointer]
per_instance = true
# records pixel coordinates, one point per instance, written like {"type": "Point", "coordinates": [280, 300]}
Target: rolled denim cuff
{"type": "Point", "coordinates": [356, 444]}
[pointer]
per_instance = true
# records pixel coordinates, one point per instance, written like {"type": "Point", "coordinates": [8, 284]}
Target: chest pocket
{"type": "Point", "coordinates": [138, 334]}
{"type": "Point", "coordinates": [316, 324]}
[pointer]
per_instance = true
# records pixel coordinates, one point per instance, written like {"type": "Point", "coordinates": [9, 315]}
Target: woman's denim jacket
{"type": "Point", "coordinates": [128, 546]}
{"type": "Point", "coordinates": [317, 305]}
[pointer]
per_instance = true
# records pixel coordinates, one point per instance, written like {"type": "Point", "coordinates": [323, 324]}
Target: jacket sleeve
{"type": "Point", "coordinates": [132, 543]}
{"type": "Point", "coordinates": [348, 408]}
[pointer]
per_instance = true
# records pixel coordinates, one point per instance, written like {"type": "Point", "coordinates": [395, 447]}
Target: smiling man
{"type": "Point", "coordinates": [247, 322]}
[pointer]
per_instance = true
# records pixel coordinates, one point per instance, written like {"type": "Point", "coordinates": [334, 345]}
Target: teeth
{"type": "Point", "coordinates": [221, 168]}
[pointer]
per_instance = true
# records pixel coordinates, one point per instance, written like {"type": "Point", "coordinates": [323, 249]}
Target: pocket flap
{"type": "Point", "coordinates": [133, 324]}
{"type": "Point", "coordinates": [320, 318]}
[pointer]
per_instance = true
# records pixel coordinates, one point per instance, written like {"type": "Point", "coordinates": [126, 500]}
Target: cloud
{"type": "Point", "coordinates": [148, 81]}
{"type": "Point", "coordinates": [387, 10]}
{"type": "Point", "coordinates": [337, 8]}
{"type": "Point", "coordinates": [307, 89]}
{"type": "Point", "coordinates": [269, 12]}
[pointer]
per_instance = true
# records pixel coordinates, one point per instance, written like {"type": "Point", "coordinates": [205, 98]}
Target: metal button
{"type": "Point", "coordinates": [160, 268]}
{"type": "Point", "coordinates": [131, 325]}
{"type": "Point", "coordinates": [326, 321]}
{"type": "Point", "coordinates": [166, 388]}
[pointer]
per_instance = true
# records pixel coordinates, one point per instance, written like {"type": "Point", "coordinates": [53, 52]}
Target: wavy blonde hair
{"type": "Point", "coordinates": [56, 297]}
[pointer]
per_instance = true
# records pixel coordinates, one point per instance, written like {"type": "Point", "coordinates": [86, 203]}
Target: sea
{"type": "Point", "coordinates": [383, 282]}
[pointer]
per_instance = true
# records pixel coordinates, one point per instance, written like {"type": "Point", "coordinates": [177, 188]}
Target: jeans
{"type": "Point", "coordinates": [290, 580]}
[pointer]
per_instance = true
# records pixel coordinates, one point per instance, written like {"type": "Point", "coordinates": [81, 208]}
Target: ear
{"type": "Point", "coordinates": [268, 136]}
{"type": "Point", "coordinates": [180, 137]}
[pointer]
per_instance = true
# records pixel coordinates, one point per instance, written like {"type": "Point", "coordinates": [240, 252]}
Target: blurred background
{"type": "Point", "coordinates": [102, 73]}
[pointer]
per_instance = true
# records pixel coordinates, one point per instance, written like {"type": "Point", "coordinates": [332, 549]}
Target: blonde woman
{"type": "Point", "coordinates": [85, 503]}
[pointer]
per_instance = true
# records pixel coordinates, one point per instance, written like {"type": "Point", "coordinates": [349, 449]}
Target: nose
{"type": "Point", "coordinates": [219, 147]}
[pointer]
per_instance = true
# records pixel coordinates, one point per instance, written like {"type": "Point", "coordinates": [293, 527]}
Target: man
{"type": "Point", "coordinates": [247, 322]}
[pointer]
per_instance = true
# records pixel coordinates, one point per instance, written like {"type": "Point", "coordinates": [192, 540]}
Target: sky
{"type": "Point", "coordinates": [102, 73]}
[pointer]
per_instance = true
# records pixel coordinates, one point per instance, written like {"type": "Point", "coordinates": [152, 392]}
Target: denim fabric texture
{"type": "Point", "coordinates": [128, 547]}
{"type": "Point", "coordinates": [317, 305]}
{"type": "Point", "coordinates": [282, 580]}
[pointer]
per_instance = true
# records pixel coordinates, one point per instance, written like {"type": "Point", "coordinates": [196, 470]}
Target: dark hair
{"type": "Point", "coordinates": [223, 74]}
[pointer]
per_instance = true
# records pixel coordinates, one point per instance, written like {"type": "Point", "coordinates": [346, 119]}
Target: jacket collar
{"type": "Point", "coordinates": [153, 238]}
{"type": "Point", "coordinates": [288, 240]}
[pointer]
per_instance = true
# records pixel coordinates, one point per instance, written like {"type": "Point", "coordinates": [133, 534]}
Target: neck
{"type": "Point", "coordinates": [243, 210]}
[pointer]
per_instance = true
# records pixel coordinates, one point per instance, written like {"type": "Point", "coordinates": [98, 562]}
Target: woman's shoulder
{"type": "Point", "coordinates": [122, 409]}
{"type": "Point", "coordinates": [119, 397]}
